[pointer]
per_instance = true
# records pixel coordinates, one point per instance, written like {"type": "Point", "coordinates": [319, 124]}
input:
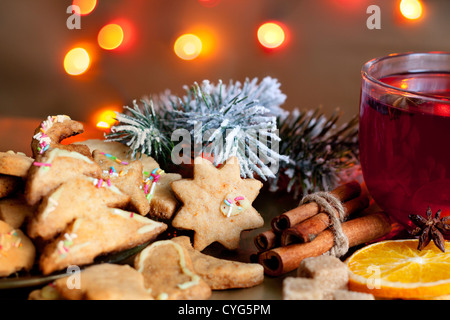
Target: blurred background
{"type": "Point", "coordinates": [126, 49]}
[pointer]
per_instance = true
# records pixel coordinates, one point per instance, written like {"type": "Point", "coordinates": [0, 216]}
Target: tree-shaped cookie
{"type": "Point", "coordinates": [55, 167]}
{"type": "Point", "coordinates": [90, 229]}
{"type": "Point", "coordinates": [162, 201]}
{"type": "Point", "coordinates": [80, 197]}
{"type": "Point", "coordinates": [126, 176]}
{"type": "Point", "coordinates": [217, 203]}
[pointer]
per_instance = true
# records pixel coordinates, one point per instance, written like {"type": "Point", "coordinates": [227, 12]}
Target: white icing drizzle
{"type": "Point", "coordinates": [182, 261]}
{"type": "Point", "coordinates": [52, 203]}
{"type": "Point", "coordinates": [65, 153]}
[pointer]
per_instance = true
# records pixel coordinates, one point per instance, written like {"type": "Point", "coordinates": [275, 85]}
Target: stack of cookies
{"type": "Point", "coordinates": [71, 203]}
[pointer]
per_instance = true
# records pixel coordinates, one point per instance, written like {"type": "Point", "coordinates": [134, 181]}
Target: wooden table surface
{"type": "Point", "coordinates": [16, 135]}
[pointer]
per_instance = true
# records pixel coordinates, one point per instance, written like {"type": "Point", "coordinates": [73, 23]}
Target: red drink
{"type": "Point", "coordinates": [405, 144]}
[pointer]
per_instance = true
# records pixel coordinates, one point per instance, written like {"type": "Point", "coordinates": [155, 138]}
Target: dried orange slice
{"type": "Point", "coordinates": [396, 269]}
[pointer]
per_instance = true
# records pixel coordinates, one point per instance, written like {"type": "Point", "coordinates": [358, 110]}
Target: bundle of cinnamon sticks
{"type": "Point", "coordinates": [305, 230]}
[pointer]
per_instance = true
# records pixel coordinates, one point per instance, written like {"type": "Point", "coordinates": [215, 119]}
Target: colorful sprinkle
{"type": "Point", "coordinates": [42, 164]}
{"type": "Point", "coordinates": [231, 207]}
{"type": "Point", "coordinates": [41, 136]}
{"type": "Point", "coordinates": [114, 158]}
{"type": "Point", "coordinates": [64, 245]}
{"type": "Point", "coordinates": [151, 181]}
{"type": "Point", "coordinates": [10, 240]}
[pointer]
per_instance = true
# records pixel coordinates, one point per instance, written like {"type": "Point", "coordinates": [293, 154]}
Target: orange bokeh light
{"type": "Point", "coordinates": [271, 35]}
{"type": "Point", "coordinates": [411, 9]}
{"type": "Point", "coordinates": [110, 36]}
{"type": "Point", "coordinates": [105, 118]}
{"type": "Point", "coordinates": [76, 61]}
{"type": "Point", "coordinates": [188, 46]}
{"type": "Point", "coordinates": [86, 6]}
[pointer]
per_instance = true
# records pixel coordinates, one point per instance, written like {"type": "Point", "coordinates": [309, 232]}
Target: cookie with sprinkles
{"type": "Point", "coordinates": [55, 167]}
{"type": "Point", "coordinates": [126, 176]}
{"type": "Point", "coordinates": [52, 131]}
{"type": "Point", "coordinates": [108, 230]}
{"type": "Point", "coordinates": [17, 252]}
{"type": "Point", "coordinates": [159, 193]}
{"type": "Point", "coordinates": [57, 209]}
{"type": "Point", "coordinates": [217, 204]}
{"type": "Point", "coordinates": [163, 203]}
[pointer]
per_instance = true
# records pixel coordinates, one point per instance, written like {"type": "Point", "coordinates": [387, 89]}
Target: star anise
{"type": "Point", "coordinates": [431, 228]}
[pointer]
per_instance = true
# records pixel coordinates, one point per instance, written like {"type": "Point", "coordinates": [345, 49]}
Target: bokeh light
{"type": "Point", "coordinates": [411, 9]}
{"type": "Point", "coordinates": [76, 61]}
{"type": "Point", "coordinates": [105, 118]}
{"type": "Point", "coordinates": [271, 35]}
{"type": "Point", "coordinates": [86, 6]}
{"type": "Point", "coordinates": [110, 36]}
{"type": "Point", "coordinates": [188, 46]}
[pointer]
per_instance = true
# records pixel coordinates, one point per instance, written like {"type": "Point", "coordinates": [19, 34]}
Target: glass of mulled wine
{"type": "Point", "coordinates": [404, 133]}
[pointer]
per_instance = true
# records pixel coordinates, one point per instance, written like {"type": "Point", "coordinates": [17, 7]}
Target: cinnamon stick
{"type": "Point", "coordinates": [359, 230]}
{"type": "Point", "coordinates": [288, 219]}
{"type": "Point", "coordinates": [308, 229]}
{"type": "Point", "coordinates": [267, 240]}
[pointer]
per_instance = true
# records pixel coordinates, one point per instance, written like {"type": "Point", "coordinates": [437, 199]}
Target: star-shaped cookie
{"type": "Point", "coordinates": [217, 204]}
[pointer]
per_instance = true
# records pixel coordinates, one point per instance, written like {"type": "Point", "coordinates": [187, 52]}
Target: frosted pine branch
{"type": "Point", "coordinates": [142, 131]}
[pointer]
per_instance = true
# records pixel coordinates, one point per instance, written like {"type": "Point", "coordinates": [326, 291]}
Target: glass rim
{"type": "Point", "coordinates": [365, 72]}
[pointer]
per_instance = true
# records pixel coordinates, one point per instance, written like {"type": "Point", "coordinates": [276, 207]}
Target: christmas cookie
{"type": "Point", "coordinates": [17, 252]}
{"type": "Point", "coordinates": [118, 150]}
{"type": "Point", "coordinates": [81, 197]}
{"type": "Point", "coordinates": [15, 211]}
{"type": "Point", "coordinates": [15, 164]}
{"type": "Point", "coordinates": [169, 273]}
{"type": "Point", "coordinates": [162, 201]}
{"type": "Point", "coordinates": [49, 134]}
{"type": "Point", "coordinates": [220, 273]}
{"type": "Point", "coordinates": [55, 167]}
{"type": "Point", "coordinates": [48, 292]}
{"type": "Point", "coordinates": [126, 176]}
{"type": "Point", "coordinates": [217, 204]}
{"type": "Point", "coordinates": [103, 282]}
{"type": "Point", "coordinates": [109, 230]}
{"type": "Point", "coordinates": [9, 185]}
